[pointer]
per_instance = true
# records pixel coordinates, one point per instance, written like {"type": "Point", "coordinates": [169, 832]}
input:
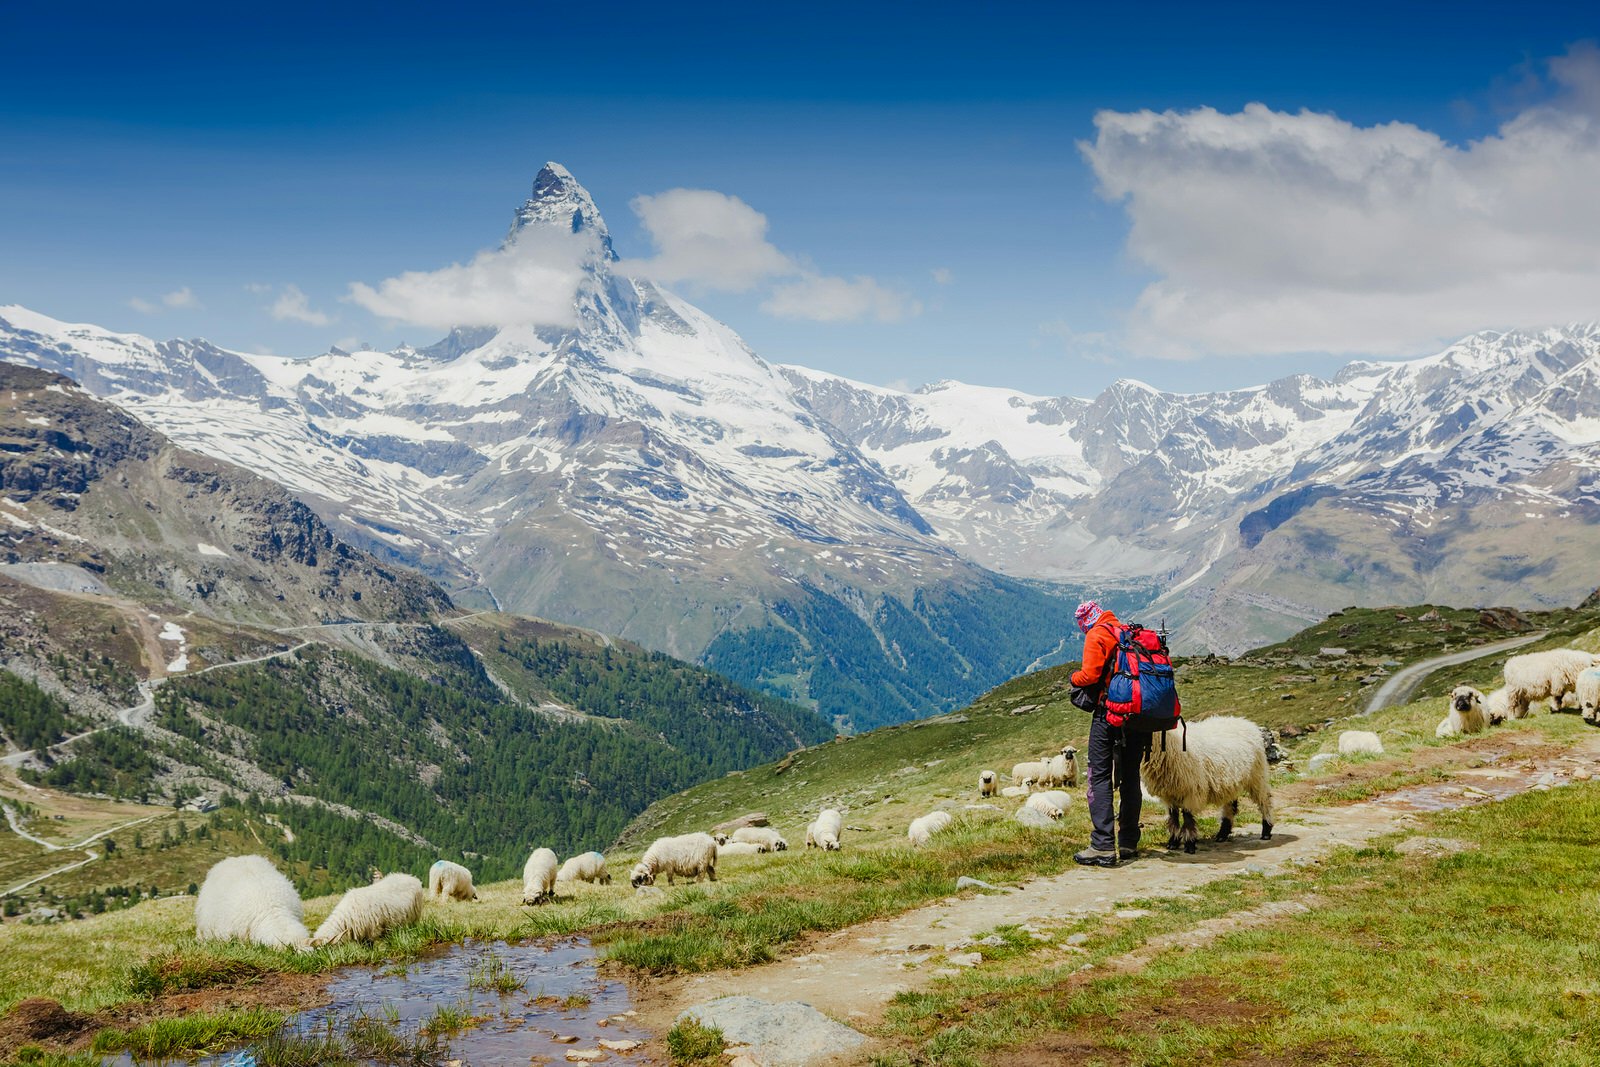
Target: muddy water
{"type": "Point", "coordinates": [561, 994]}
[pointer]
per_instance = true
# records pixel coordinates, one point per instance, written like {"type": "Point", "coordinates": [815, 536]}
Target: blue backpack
{"type": "Point", "coordinates": [1142, 694]}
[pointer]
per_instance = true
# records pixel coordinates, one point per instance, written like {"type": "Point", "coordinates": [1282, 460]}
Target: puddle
{"type": "Point", "coordinates": [1486, 783]}
{"type": "Point", "coordinates": [560, 994]}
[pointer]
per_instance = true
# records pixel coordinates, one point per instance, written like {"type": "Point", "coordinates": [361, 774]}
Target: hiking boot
{"type": "Point", "coordinates": [1128, 854]}
{"type": "Point", "coordinates": [1096, 857]}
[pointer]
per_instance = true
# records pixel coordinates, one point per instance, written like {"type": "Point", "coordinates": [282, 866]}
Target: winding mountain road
{"type": "Point", "coordinates": [1398, 689]}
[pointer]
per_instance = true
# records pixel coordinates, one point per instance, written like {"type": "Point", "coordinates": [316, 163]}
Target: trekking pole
{"type": "Point", "coordinates": [1116, 789]}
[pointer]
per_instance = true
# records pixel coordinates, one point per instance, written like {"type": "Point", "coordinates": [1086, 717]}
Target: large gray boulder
{"type": "Point", "coordinates": [788, 1034]}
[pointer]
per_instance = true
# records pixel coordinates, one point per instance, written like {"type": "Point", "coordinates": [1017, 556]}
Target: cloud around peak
{"type": "Point", "coordinates": [1278, 232]}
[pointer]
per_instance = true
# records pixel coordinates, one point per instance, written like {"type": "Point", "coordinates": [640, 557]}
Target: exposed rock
{"type": "Point", "coordinates": [753, 818]}
{"type": "Point", "coordinates": [965, 959]}
{"type": "Point", "coordinates": [972, 883]}
{"type": "Point", "coordinates": [787, 1034]}
{"type": "Point", "coordinates": [624, 1045]}
{"type": "Point", "coordinates": [1321, 760]}
{"type": "Point", "coordinates": [1509, 619]}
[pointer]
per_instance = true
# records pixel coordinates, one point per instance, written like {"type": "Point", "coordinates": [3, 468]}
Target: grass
{"type": "Point", "coordinates": [492, 975]}
{"type": "Point", "coordinates": [187, 1034]}
{"type": "Point", "coordinates": [1485, 956]}
{"type": "Point", "coordinates": [448, 1019]}
{"type": "Point", "coordinates": [692, 1042]}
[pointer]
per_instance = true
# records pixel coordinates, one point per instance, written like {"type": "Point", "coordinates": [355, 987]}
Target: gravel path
{"type": "Point", "coordinates": [1398, 689]}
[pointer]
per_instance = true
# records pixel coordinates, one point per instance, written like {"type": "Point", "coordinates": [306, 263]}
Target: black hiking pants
{"type": "Point", "coordinates": [1106, 755]}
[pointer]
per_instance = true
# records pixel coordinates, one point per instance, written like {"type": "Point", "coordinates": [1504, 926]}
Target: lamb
{"type": "Point", "coordinates": [585, 867]}
{"type": "Point", "coordinates": [1354, 742]}
{"type": "Point", "coordinates": [246, 897]}
{"type": "Point", "coordinates": [367, 912]}
{"type": "Point", "coordinates": [1015, 791]}
{"type": "Point", "coordinates": [1496, 707]}
{"type": "Point", "coordinates": [986, 783]}
{"type": "Point", "coordinates": [539, 876]}
{"type": "Point", "coordinates": [1062, 769]}
{"type": "Point", "coordinates": [824, 832]}
{"type": "Point", "coordinates": [1052, 804]}
{"type": "Point", "coordinates": [1030, 773]}
{"type": "Point", "coordinates": [450, 881]}
{"type": "Point", "coordinates": [1464, 713]}
{"type": "Point", "coordinates": [741, 848]}
{"type": "Point", "coordinates": [685, 856]}
{"type": "Point", "coordinates": [924, 827]}
{"type": "Point", "coordinates": [1217, 761]}
{"type": "Point", "coordinates": [1589, 695]}
{"type": "Point", "coordinates": [1540, 675]}
{"type": "Point", "coordinates": [761, 835]}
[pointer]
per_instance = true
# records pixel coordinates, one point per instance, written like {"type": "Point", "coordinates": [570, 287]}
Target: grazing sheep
{"type": "Point", "coordinates": [1589, 695]}
{"type": "Point", "coordinates": [246, 897]}
{"type": "Point", "coordinates": [585, 867]}
{"type": "Point", "coordinates": [1015, 791]}
{"type": "Point", "coordinates": [450, 881]}
{"type": "Point", "coordinates": [1464, 713]}
{"type": "Point", "coordinates": [1217, 761]}
{"type": "Point", "coordinates": [720, 837]}
{"type": "Point", "coordinates": [1062, 769]}
{"type": "Point", "coordinates": [1353, 742]}
{"type": "Point", "coordinates": [824, 832]}
{"type": "Point", "coordinates": [762, 835]}
{"type": "Point", "coordinates": [987, 784]}
{"type": "Point", "coordinates": [924, 827]}
{"type": "Point", "coordinates": [685, 856]}
{"type": "Point", "coordinates": [1053, 803]}
{"type": "Point", "coordinates": [1030, 773]}
{"type": "Point", "coordinates": [367, 912]}
{"type": "Point", "coordinates": [741, 848]}
{"type": "Point", "coordinates": [1496, 707]}
{"type": "Point", "coordinates": [1544, 675]}
{"type": "Point", "coordinates": [539, 876]}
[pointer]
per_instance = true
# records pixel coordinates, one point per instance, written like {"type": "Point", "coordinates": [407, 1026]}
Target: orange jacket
{"type": "Point", "coordinates": [1098, 645]}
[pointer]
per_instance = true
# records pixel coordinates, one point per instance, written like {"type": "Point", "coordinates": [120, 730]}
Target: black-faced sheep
{"type": "Point", "coordinates": [1360, 742]}
{"type": "Point", "coordinates": [684, 856]}
{"type": "Point", "coordinates": [824, 832]}
{"type": "Point", "coordinates": [247, 898]}
{"type": "Point", "coordinates": [924, 827]}
{"type": "Point", "coordinates": [1062, 769]}
{"type": "Point", "coordinates": [762, 835]}
{"type": "Point", "coordinates": [1548, 675]}
{"type": "Point", "coordinates": [1031, 772]}
{"type": "Point", "coordinates": [1052, 804]}
{"type": "Point", "coordinates": [1211, 765]}
{"type": "Point", "coordinates": [987, 786]}
{"type": "Point", "coordinates": [450, 881]}
{"type": "Point", "coordinates": [1589, 695]}
{"type": "Point", "coordinates": [585, 867]}
{"type": "Point", "coordinates": [539, 876]}
{"type": "Point", "coordinates": [741, 848]}
{"type": "Point", "coordinates": [367, 912]}
{"type": "Point", "coordinates": [1464, 713]}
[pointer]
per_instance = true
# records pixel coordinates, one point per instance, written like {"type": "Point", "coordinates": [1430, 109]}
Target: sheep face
{"type": "Point", "coordinates": [1464, 698]}
{"type": "Point", "coordinates": [642, 876]}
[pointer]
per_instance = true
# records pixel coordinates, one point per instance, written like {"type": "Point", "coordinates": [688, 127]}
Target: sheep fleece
{"type": "Point", "coordinates": [367, 912]}
{"type": "Point", "coordinates": [246, 897]}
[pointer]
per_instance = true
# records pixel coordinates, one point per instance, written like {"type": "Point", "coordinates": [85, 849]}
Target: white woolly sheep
{"type": "Point", "coordinates": [1030, 773]}
{"type": "Point", "coordinates": [1496, 707]}
{"type": "Point", "coordinates": [1062, 769]}
{"type": "Point", "coordinates": [1544, 675]}
{"type": "Point", "coordinates": [367, 912]}
{"type": "Point", "coordinates": [1015, 791]}
{"type": "Point", "coordinates": [1589, 695]}
{"type": "Point", "coordinates": [246, 897]}
{"type": "Point", "coordinates": [1356, 742]}
{"type": "Point", "coordinates": [762, 835]}
{"type": "Point", "coordinates": [539, 876]}
{"type": "Point", "coordinates": [741, 848]}
{"type": "Point", "coordinates": [924, 827]}
{"type": "Point", "coordinates": [1464, 713]}
{"type": "Point", "coordinates": [1211, 765]}
{"type": "Point", "coordinates": [585, 867]}
{"type": "Point", "coordinates": [1052, 803]}
{"type": "Point", "coordinates": [720, 837]}
{"type": "Point", "coordinates": [684, 856]}
{"type": "Point", "coordinates": [824, 832]}
{"type": "Point", "coordinates": [987, 784]}
{"type": "Point", "coordinates": [450, 881]}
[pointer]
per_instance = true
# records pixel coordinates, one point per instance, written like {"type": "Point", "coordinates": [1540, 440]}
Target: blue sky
{"type": "Point", "coordinates": [175, 169]}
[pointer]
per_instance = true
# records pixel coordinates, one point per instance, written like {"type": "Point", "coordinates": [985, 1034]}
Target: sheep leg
{"type": "Point", "coordinates": [1173, 839]}
{"type": "Point", "coordinates": [1263, 798]}
{"type": "Point", "coordinates": [1191, 833]}
{"type": "Point", "coordinates": [1230, 811]}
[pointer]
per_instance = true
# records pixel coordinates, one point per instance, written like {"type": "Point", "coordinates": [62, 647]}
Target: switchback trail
{"type": "Point", "coordinates": [852, 974]}
{"type": "Point", "coordinates": [1398, 689]}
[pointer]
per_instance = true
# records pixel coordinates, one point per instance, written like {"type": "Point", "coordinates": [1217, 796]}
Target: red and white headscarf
{"type": "Point", "coordinates": [1088, 614]}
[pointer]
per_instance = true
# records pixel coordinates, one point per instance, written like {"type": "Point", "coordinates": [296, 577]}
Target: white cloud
{"type": "Point", "coordinates": [293, 305]}
{"type": "Point", "coordinates": [143, 306]}
{"type": "Point", "coordinates": [826, 299]}
{"type": "Point", "coordinates": [181, 298]}
{"type": "Point", "coordinates": [530, 281]}
{"type": "Point", "coordinates": [942, 276]}
{"type": "Point", "coordinates": [708, 239]}
{"type": "Point", "coordinates": [1276, 232]}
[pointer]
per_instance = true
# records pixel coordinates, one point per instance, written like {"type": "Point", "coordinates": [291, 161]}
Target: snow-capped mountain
{"type": "Point", "coordinates": [643, 472]}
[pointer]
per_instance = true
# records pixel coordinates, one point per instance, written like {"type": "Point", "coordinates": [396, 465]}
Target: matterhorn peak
{"type": "Point", "coordinates": [559, 202]}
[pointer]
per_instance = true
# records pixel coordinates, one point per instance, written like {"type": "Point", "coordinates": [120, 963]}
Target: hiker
{"type": "Point", "coordinates": [1111, 760]}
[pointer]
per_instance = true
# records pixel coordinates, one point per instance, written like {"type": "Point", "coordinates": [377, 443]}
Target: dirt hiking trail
{"type": "Point", "coordinates": [852, 974]}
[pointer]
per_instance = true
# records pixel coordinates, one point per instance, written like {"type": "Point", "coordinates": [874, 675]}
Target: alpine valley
{"type": "Point", "coordinates": [877, 554]}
